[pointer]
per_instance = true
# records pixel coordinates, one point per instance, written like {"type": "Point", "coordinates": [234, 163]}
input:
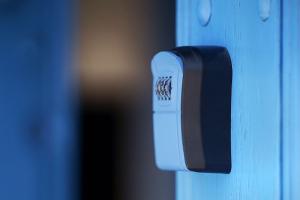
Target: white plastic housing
{"type": "Point", "coordinates": [169, 154]}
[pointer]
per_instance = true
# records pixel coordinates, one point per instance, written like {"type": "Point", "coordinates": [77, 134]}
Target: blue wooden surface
{"type": "Point", "coordinates": [254, 46]}
{"type": "Point", "coordinates": [291, 100]}
{"type": "Point", "coordinates": [36, 108]}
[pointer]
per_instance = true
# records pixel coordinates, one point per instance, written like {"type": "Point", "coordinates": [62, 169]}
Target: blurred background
{"type": "Point", "coordinates": [117, 40]}
{"type": "Point", "coordinates": [75, 106]}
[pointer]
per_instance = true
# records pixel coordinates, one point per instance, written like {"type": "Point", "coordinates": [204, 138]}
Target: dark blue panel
{"type": "Point", "coordinates": [37, 139]}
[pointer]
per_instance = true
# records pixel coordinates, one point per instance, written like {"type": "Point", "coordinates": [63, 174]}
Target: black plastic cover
{"type": "Point", "coordinates": [206, 108]}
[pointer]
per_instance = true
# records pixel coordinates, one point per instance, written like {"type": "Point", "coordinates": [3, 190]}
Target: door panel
{"type": "Point", "coordinates": [290, 73]}
{"type": "Point", "coordinates": [37, 140]}
{"type": "Point", "coordinates": [254, 46]}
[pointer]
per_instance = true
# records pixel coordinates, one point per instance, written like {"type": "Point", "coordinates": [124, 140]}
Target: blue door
{"type": "Point", "coordinates": [263, 39]}
{"type": "Point", "coordinates": [37, 140]}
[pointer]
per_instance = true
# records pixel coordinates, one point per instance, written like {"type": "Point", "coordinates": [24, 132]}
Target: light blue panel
{"type": "Point", "coordinates": [254, 46]}
{"type": "Point", "coordinates": [291, 100]}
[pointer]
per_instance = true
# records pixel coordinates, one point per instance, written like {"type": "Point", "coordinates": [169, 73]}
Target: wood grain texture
{"type": "Point", "coordinates": [291, 100]}
{"type": "Point", "coordinates": [254, 46]}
